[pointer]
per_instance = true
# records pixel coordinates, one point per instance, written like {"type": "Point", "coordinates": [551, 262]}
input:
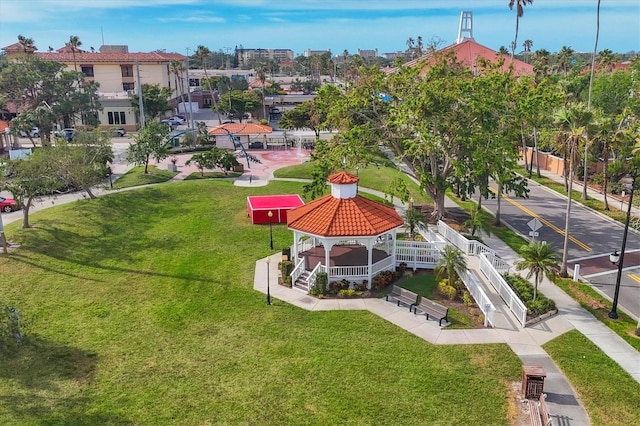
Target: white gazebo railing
{"type": "Point", "coordinates": [469, 247]}
{"type": "Point", "coordinates": [417, 254]}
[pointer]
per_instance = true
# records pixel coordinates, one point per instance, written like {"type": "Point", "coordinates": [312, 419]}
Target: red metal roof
{"type": "Point", "coordinates": [349, 217]}
{"type": "Point", "coordinates": [240, 129]}
{"type": "Point", "coordinates": [268, 202]}
{"type": "Point", "coordinates": [467, 51]}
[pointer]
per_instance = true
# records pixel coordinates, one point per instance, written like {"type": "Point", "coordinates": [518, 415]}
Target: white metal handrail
{"type": "Point", "coordinates": [311, 281]}
{"type": "Point", "coordinates": [297, 271]}
{"type": "Point", "coordinates": [480, 297]}
{"type": "Point", "coordinates": [504, 290]}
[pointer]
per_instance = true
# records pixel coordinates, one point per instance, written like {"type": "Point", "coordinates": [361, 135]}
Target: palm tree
{"type": "Point", "coordinates": [519, 4]}
{"type": "Point", "coordinates": [475, 222]}
{"type": "Point", "coordinates": [414, 220]}
{"type": "Point", "coordinates": [593, 66]}
{"type": "Point", "coordinates": [177, 69]}
{"type": "Point", "coordinates": [451, 260]}
{"type": "Point", "coordinates": [527, 49]}
{"type": "Point", "coordinates": [541, 62]}
{"type": "Point", "coordinates": [606, 59]}
{"type": "Point", "coordinates": [261, 72]}
{"type": "Point", "coordinates": [503, 51]}
{"type": "Point", "coordinates": [202, 53]}
{"type": "Point", "coordinates": [564, 58]}
{"type": "Point", "coordinates": [539, 259]}
{"type": "Point", "coordinates": [26, 44]}
{"type": "Point", "coordinates": [572, 123]}
{"type": "Point", "coordinates": [73, 43]}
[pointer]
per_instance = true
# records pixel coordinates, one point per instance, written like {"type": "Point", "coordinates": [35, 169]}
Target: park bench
{"type": "Point", "coordinates": [432, 309]}
{"type": "Point", "coordinates": [538, 411]}
{"type": "Point", "coordinates": [402, 295]}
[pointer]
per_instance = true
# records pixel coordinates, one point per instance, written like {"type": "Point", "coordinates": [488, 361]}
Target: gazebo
{"type": "Point", "coordinates": [343, 234]}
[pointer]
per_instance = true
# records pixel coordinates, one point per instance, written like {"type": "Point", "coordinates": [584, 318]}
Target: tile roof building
{"type": "Point", "coordinates": [116, 70]}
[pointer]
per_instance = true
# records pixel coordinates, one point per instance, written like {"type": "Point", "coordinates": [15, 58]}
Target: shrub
{"type": "Point", "coordinates": [345, 293]}
{"type": "Point", "coordinates": [466, 298]}
{"type": "Point", "coordinates": [383, 279]}
{"type": "Point", "coordinates": [401, 269]}
{"type": "Point", "coordinates": [524, 290]}
{"type": "Point", "coordinates": [320, 286]}
{"type": "Point", "coordinates": [286, 267]}
{"type": "Point", "coordinates": [336, 286]}
{"type": "Point", "coordinates": [361, 286]}
{"type": "Point", "coordinates": [540, 306]}
{"type": "Point", "coordinates": [446, 290]}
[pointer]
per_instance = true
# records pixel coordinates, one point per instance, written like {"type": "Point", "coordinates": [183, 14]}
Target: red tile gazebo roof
{"type": "Point", "coordinates": [349, 217]}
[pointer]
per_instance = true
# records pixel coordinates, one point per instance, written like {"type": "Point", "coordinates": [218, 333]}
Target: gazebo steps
{"type": "Point", "coordinates": [301, 283]}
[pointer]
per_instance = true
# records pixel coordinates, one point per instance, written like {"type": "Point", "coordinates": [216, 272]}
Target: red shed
{"type": "Point", "coordinates": [259, 206]}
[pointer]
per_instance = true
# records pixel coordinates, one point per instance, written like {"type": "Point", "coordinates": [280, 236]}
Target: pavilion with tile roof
{"type": "Point", "coordinates": [353, 235]}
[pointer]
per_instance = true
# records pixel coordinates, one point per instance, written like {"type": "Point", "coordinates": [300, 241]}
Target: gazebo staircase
{"type": "Point", "coordinates": [302, 282]}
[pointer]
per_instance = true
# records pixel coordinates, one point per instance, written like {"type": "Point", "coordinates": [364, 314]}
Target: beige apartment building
{"type": "Point", "coordinates": [117, 71]}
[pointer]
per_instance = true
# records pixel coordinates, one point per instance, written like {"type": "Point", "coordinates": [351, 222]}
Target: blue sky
{"type": "Point", "coordinates": [175, 25]}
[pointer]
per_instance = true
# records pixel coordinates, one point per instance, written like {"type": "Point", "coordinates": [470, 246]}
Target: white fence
{"type": "Point", "coordinates": [478, 294]}
{"type": "Point", "coordinates": [417, 254]}
{"type": "Point", "coordinates": [493, 268]}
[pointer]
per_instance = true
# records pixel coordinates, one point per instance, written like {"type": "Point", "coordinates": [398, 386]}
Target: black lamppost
{"type": "Point", "coordinates": [268, 292]}
{"type": "Point", "coordinates": [270, 214]}
{"type": "Point", "coordinates": [618, 259]}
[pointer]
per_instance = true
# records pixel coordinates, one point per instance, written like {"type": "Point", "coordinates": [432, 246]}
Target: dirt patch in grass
{"type": "Point", "coordinates": [518, 409]}
{"type": "Point", "coordinates": [582, 297]}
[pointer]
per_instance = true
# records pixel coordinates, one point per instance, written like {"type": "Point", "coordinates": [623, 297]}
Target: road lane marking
{"type": "Point", "coordinates": [634, 277]}
{"type": "Point", "coordinates": [544, 221]}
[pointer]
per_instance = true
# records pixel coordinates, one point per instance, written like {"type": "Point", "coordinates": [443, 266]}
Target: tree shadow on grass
{"type": "Point", "coordinates": [47, 381]}
{"type": "Point", "coordinates": [93, 234]}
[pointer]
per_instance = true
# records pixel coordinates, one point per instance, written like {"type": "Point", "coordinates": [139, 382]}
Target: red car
{"type": "Point", "coordinates": [8, 204]}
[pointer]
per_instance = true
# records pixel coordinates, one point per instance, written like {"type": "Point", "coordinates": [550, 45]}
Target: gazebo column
{"type": "Point", "coordinates": [296, 248]}
{"type": "Point", "coordinates": [327, 256]}
{"type": "Point", "coordinates": [370, 244]}
{"type": "Point", "coordinates": [393, 251]}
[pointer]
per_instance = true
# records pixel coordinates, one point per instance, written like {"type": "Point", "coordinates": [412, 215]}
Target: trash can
{"type": "Point", "coordinates": [533, 381]}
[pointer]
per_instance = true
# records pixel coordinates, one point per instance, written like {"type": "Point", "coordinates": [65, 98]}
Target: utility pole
{"type": "Point", "coordinates": [140, 103]}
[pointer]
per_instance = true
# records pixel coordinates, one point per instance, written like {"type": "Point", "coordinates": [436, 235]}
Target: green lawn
{"type": "Point", "coordinates": [373, 177]}
{"type": "Point", "coordinates": [609, 394]}
{"type": "Point", "coordinates": [140, 310]}
{"type": "Point", "coordinates": [136, 177]}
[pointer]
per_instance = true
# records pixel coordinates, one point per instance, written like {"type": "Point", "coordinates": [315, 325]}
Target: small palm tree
{"type": "Point", "coordinates": [451, 260]}
{"type": "Point", "coordinates": [539, 259]}
{"type": "Point", "coordinates": [475, 222]}
{"type": "Point", "coordinates": [414, 220]}
{"type": "Point", "coordinates": [519, 5]}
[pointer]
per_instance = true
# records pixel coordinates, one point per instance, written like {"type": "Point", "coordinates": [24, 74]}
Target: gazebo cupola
{"type": "Point", "coordinates": [343, 185]}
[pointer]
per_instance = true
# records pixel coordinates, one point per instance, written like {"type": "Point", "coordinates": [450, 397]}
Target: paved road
{"type": "Point", "coordinates": [592, 237]}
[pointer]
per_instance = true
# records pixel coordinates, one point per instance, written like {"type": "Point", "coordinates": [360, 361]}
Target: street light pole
{"type": "Point", "coordinates": [270, 214]}
{"type": "Point", "coordinates": [620, 258]}
{"type": "Point", "coordinates": [268, 292]}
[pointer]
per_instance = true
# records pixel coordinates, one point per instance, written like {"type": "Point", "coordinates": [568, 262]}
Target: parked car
{"type": "Point", "coordinates": [120, 132]}
{"type": "Point", "coordinates": [65, 133]}
{"type": "Point", "coordinates": [34, 133]}
{"type": "Point", "coordinates": [172, 121]}
{"type": "Point", "coordinates": [181, 116]}
{"type": "Point", "coordinates": [256, 145]}
{"type": "Point", "coordinates": [177, 119]}
{"type": "Point", "coordinates": [172, 124]}
{"type": "Point", "coordinates": [8, 204]}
